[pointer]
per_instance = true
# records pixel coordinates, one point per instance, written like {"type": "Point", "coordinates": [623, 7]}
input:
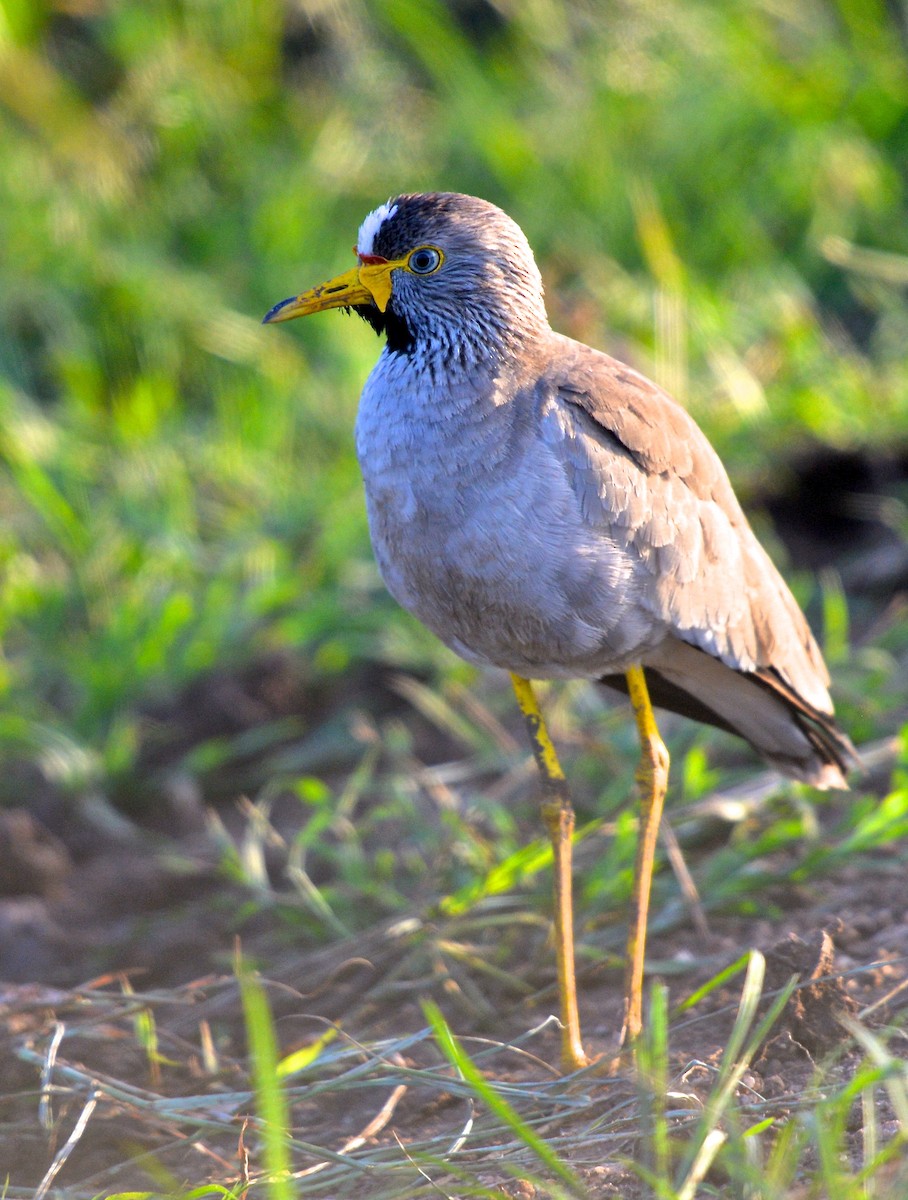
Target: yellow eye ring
{"type": "Point", "coordinates": [425, 260]}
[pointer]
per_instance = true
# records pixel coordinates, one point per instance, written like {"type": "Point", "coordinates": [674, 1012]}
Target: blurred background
{"type": "Point", "coordinates": [218, 731]}
{"type": "Point", "coordinates": [189, 608]}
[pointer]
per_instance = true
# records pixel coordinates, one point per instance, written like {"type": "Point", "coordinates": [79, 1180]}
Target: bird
{"type": "Point", "coordinates": [546, 509]}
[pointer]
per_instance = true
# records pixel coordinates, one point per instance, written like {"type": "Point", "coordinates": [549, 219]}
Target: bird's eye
{"type": "Point", "coordinates": [425, 260]}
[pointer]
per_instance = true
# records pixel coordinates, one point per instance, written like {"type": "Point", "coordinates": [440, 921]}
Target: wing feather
{"type": "Point", "coordinates": [644, 472]}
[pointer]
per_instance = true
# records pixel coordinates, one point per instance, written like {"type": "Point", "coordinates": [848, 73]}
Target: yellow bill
{"type": "Point", "coordinates": [369, 283]}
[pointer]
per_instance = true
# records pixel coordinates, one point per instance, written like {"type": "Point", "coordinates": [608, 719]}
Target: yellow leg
{"type": "Point", "coordinates": [558, 817]}
{"type": "Point", "coordinates": [652, 779]}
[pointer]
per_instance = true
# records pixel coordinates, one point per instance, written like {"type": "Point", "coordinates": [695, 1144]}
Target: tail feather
{"type": "Point", "coordinates": [789, 733]}
{"type": "Point", "coordinates": [831, 743]}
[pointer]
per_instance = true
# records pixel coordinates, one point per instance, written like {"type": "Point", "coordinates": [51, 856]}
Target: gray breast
{"type": "Point", "coordinates": [478, 532]}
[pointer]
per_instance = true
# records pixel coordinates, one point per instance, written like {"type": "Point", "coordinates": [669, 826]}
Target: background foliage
{"type": "Point", "coordinates": [716, 191]}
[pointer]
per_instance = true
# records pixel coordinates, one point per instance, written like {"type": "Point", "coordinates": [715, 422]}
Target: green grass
{"type": "Point", "coordinates": [178, 483]}
{"type": "Point", "coordinates": [504, 1117]}
{"type": "Point", "coordinates": [716, 191]}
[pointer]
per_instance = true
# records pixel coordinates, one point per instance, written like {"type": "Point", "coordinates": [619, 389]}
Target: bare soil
{"type": "Point", "coordinates": [87, 910]}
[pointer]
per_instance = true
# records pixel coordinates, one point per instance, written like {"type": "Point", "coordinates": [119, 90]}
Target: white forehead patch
{"type": "Point", "coordinates": [370, 227]}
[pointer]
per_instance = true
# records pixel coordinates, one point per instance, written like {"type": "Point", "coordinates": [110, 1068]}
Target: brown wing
{"type": "Point", "coordinates": [644, 470]}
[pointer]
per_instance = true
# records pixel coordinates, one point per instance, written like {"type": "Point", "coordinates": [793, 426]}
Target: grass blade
{"type": "Point", "coordinates": [460, 1060]}
{"type": "Point", "coordinates": [271, 1103]}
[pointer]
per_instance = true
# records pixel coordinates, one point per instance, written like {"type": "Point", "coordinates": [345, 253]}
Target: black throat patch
{"type": "Point", "coordinates": [396, 330]}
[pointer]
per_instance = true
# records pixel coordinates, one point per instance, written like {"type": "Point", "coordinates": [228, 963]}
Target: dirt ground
{"type": "Point", "coordinates": [171, 934]}
{"type": "Point", "coordinates": [94, 907]}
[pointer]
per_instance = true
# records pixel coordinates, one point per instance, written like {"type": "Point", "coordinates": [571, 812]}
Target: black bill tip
{"type": "Point", "coordinates": [273, 314]}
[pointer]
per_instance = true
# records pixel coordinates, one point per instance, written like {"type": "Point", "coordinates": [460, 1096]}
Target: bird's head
{"type": "Point", "coordinates": [437, 268]}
